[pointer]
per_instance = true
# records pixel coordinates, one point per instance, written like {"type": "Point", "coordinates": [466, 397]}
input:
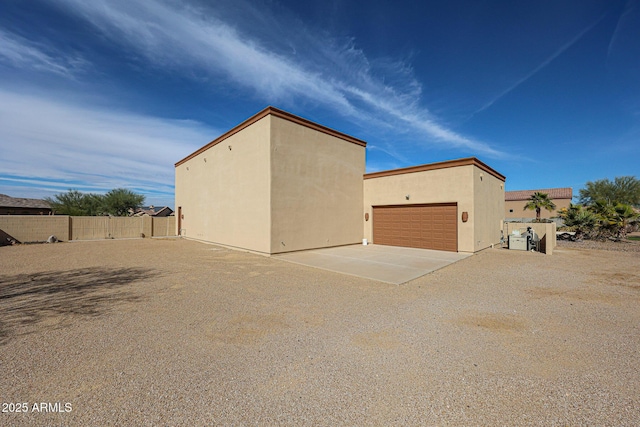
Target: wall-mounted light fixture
{"type": "Point", "coordinates": [408, 196]}
{"type": "Point", "coordinates": [366, 216]}
{"type": "Point", "coordinates": [465, 216]}
{"type": "Point", "coordinates": [229, 148]}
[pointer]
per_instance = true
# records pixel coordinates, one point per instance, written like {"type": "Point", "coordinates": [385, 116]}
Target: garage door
{"type": "Point", "coordinates": [432, 226]}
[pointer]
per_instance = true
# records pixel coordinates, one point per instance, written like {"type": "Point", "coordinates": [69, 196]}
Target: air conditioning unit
{"type": "Point", "coordinates": [524, 242]}
{"type": "Point", "coordinates": [519, 243]}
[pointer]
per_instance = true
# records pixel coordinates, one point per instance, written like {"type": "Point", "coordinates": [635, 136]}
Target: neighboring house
{"type": "Point", "coordinates": [514, 202]}
{"type": "Point", "coordinates": [279, 183]}
{"type": "Point", "coordinates": [157, 211]}
{"type": "Point", "coordinates": [21, 206]}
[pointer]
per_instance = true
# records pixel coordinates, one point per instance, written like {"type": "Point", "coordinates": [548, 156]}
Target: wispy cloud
{"type": "Point", "coordinates": [625, 21]}
{"type": "Point", "coordinates": [289, 62]}
{"type": "Point", "coordinates": [541, 66]}
{"type": "Point", "coordinates": [25, 54]}
{"type": "Point", "coordinates": [184, 38]}
{"type": "Point", "coordinates": [49, 144]}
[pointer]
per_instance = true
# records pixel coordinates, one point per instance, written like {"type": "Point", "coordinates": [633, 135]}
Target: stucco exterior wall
{"type": "Point", "coordinates": [316, 188]}
{"type": "Point", "coordinates": [519, 212]}
{"type": "Point", "coordinates": [446, 185]}
{"type": "Point", "coordinates": [488, 203]}
{"type": "Point", "coordinates": [224, 190]}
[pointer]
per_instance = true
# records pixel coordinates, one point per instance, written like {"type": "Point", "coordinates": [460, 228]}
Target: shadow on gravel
{"type": "Point", "coordinates": [47, 299]}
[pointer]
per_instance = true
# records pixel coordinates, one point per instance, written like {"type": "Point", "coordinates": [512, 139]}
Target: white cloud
{"type": "Point", "coordinates": [294, 63]}
{"type": "Point", "coordinates": [28, 55]}
{"type": "Point", "coordinates": [52, 145]}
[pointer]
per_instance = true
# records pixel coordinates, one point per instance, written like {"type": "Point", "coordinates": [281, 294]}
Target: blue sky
{"type": "Point", "coordinates": [99, 95]}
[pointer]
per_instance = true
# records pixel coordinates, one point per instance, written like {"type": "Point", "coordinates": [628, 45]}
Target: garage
{"type": "Point", "coordinates": [425, 226]}
{"type": "Point", "coordinates": [456, 206]}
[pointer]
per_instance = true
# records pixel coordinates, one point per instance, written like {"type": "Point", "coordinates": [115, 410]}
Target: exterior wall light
{"type": "Point", "coordinates": [408, 196]}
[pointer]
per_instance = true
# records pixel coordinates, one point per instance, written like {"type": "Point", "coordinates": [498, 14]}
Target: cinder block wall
{"type": "Point", "coordinates": [104, 227]}
{"type": "Point", "coordinates": [163, 226]}
{"type": "Point", "coordinates": [38, 228]}
{"type": "Point", "coordinates": [34, 228]}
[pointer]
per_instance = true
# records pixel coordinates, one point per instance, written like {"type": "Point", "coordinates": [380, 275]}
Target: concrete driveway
{"type": "Point", "coordinates": [390, 264]}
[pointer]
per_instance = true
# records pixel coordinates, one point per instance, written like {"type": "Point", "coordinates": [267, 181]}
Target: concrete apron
{"type": "Point", "coordinates": [389, 264]}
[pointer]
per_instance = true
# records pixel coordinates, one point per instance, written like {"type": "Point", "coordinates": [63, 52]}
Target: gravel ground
{"type": "Point", "coordinates": [606, 245]}
{"type": "Point", "coordinates": [174, 332]}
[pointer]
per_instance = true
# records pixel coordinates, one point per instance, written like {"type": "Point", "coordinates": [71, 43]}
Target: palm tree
{"type": "Point", "coordinates": [537, 201]}
{"type": "Point", "coordinates": [621, 218]}
{"type": "Point", "coordinates": [580, 220]}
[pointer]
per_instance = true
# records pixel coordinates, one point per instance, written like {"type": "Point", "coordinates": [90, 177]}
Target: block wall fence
{"type": "Point", "coordinates": [38, 228]}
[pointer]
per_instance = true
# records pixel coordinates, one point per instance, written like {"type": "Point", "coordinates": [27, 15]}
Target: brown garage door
{"type": "Point", "coordinates": [431, 226]}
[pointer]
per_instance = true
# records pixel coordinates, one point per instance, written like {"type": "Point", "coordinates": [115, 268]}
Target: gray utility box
{"type": "Point", "coordinates": [519, 243]}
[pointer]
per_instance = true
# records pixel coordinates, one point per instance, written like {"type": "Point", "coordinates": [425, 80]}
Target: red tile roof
{"type": "Point", "coordinates": [553, 193]}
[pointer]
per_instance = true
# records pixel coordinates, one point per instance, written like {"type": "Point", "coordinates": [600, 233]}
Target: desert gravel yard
{"type": "Point", "coordinates": [175, 332]}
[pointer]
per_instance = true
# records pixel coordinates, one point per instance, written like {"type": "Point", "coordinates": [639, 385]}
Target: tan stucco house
{"type": "Point", "coordinates": [516, 200]}
{"type": "Point", "coordinates": [280, 183]}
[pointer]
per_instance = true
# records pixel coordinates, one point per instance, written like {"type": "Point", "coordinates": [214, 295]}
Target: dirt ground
{"type": "Point", "coordinates": [175, 332]}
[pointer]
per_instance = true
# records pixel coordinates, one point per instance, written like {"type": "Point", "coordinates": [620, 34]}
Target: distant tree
{"type": "Point", "coordinates": [75, 203]}
{"type": "Point", "coordinates": [117, 202]}
{"type": "Point", "coordinates": [93, 204]}
{"type": "Point", "coordinates": [537, 201]}
{"type": "Point", "coordinates": [624, 190]}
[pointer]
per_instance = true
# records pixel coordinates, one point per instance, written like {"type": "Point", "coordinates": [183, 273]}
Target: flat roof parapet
{"type": "Point", "coordinates": [438, 165]}
{"type": "Point", "coordinates": [276, 113]}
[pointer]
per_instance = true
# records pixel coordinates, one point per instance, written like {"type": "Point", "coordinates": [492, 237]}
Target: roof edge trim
{"type": "Point", "coordinates": [276, 113]}
{"type": "Point", "coordinates": [469, 161]}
